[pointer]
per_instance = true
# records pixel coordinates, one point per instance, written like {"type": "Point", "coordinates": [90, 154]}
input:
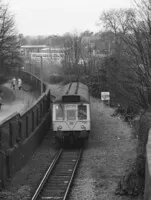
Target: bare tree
{"type": "Point", "coordinates": [9, 44]}
{"type": "Point", "coordinates": [72, 51]}
{"type": "Point", "coordinates": [132, 38]}
{"type": "Point", "coordinates": [117, 21]}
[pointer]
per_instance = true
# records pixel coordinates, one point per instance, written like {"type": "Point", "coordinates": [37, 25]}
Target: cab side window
{"type": "Point", "coordinates": [59, 112]}
{"type": "Point", "coordinates": [82, 112]}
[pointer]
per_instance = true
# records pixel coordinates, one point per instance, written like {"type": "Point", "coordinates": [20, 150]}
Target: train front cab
{"type": "Point", "coordinates": [71, 121]}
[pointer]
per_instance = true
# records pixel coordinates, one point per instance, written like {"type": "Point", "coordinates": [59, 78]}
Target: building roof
{"type": "Point", "coordinates": [74, 92]}
{"type": "Point", "coordinates": [33, 46]}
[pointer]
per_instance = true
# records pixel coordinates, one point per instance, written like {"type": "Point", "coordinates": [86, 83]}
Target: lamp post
{"type": "Point", "coordinates": [41, 73]}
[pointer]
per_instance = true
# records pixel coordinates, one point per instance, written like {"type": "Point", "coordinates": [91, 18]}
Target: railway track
{"type": "Point", "coordinates": [57, 180]}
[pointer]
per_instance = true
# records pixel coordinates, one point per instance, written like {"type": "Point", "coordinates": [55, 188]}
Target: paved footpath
{"type": "Point", "coordinates": [14, 101]}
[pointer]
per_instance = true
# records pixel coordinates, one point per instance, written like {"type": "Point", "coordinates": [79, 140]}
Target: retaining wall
{"type": "Point", "coordinates": [21, 134]}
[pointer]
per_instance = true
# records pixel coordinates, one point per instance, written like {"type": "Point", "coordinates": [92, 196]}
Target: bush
{"type": "Point", "coordinates": [54, 79]}
{"type": "Point", "coordinates": [3, 79]}
{"type": "Point", "coordinates": [70, 78]}
{"type": "Point", "coordinates": [144, 126]}
{"type": "Point", "coordinates": [132, 183]}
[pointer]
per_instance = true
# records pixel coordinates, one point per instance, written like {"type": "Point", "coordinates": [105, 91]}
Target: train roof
{"type": "Point", "coordinates": [74, 92]}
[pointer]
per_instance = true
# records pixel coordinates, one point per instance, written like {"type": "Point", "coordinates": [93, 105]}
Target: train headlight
{"type": "Point", "coordinates": [83, 127]}
{"type": "Point", "coordinates": [59, 127]}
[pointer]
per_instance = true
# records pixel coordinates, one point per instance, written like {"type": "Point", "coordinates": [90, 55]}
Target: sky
{"type": "Point", "coordinates": [48, 17]}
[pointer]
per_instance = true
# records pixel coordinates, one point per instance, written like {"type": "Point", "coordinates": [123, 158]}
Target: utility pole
{"type": "Point", "coordinates": [109, 50]}
{"type": "Point", "coordinates": [41, 73]}
{"type": "Point", "coordinates": [30, 64]}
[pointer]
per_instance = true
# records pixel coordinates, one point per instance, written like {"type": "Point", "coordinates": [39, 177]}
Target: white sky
{"type": "Point", "coordinates": [47, 17]}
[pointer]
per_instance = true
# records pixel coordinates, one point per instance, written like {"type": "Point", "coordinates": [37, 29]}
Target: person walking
{"type": "Point", "coordinates": [19, 84]}
{"type": "Point", "coordinates": [14, 83]}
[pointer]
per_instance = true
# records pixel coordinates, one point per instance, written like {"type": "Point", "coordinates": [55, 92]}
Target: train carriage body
{"type": "Point", "coordinates": [71, 112]}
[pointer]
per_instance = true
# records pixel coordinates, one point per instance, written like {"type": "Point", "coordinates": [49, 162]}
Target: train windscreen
{"type": "Point", "coordinates": [60, 112]}
{"type": "Point", "coordinates": [82, 112]}
{"type": "Point", "coordinates": [71, 114]}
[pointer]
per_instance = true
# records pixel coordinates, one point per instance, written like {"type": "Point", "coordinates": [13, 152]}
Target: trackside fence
{"type": "Point", "coordinates": [21, 133]}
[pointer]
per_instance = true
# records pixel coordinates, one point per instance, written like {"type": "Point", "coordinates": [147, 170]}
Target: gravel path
{"type": "Point", "coordinates": [108, 153]}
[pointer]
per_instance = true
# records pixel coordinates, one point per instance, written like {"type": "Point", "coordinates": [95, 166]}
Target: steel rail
{"type": "Point", "coordinates": [45, 177]}
{"type": "Point", "coordinates": [73, 174]}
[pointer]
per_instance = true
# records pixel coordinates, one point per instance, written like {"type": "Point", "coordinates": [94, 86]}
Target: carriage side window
{"type": "Point", "coordinates": [60, 112]}
{"type": "Point", "coordinates": [82, 112]}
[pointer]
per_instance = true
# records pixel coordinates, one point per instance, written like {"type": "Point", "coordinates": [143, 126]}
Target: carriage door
{"type": "Point", "coordinates": [71, 115]}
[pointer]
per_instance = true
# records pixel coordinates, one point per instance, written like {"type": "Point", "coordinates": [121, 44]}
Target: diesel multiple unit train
{"type": "Point", "coordinates": [71, 113]}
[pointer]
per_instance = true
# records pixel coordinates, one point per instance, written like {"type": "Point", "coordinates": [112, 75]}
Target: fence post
{"type": "Point", "coordinates": [33, 122]}
{"type": "Point", "coordinates": [2, 153]}
{"type": "Point", "coordinates": [10, 135]}
{"type": "Point", "coordinates": [27, 126]}
{"type": "Point", "coordinates": [48, 100]}
{"type": "Point", "coordinates": [37, 115]}
{"type": "Point", "coordinates": [41, 114]}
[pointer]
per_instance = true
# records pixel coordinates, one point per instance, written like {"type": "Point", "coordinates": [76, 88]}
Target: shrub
{"type": "Point", "coordinates": [3, 79]}
{"type": "Point", "coordinates": [54, 79]}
